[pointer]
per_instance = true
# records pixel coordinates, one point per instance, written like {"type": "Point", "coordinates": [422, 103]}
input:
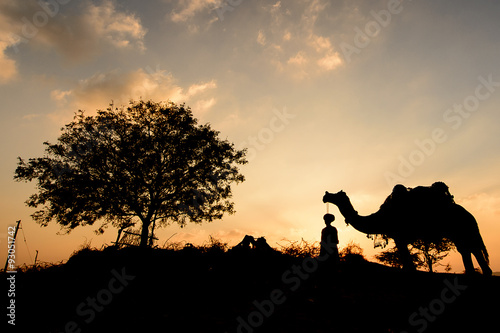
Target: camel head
{"type": "Point", "coordinates": [335, 198]}
{"type": "Point", "coordinates": [341, 200]}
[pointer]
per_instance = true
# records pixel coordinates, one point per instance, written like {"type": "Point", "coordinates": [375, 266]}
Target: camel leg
{"type": "Point", "coordinates": [404, 255]}
{"type": "Point", "coordinates": [467, 259]}
{"type": "Point", "coordinates": [485, 268]}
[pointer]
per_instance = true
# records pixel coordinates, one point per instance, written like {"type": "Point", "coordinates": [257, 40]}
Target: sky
{"type": "Point", "coordinates": [325, 95]}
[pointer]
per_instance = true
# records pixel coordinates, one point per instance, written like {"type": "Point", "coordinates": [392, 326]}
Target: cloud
{"type": "Point", "coordinates": [330, 61]}
{"type": "Point", "coordinates": [482, 203]}
{"type": "Point", "coordinates": [117, 87]}
{"type": "Point", "coordinates": [312, 11]}
{"type": "Point", "coordinates": [292, 41]}
{"type": "Point", "coordinates": [119, 28]}
{"type": "Point", "coordinates": [8, 22]}
{"type": "Point", "coordinates": [8, 66]}
{"type": "Point", "coordinates": [298, 59]}
{"type": "Point", "coordinates": [204, 105]}
{"type": "Point", "coordinates": [261, 39]}
{"type": "Point", "coordinates": [60, 95]}
{"type": "Point", "coordinates": [78, 31]}
{"type": "Point", "coordinates": [198, 88]}
{"type": "Point", "coordinates": [187, 9]}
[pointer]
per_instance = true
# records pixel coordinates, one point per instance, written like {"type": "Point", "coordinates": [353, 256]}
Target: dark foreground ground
{"type": "Point", "coordinates": [215, 291]}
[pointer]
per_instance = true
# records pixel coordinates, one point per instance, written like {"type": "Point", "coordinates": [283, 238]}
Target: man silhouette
{"type": "Point", "coordinates": [329, 236]}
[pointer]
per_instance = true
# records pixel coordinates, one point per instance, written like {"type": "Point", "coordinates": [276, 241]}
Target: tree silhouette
{"type": "Point", "coordinates": [431, 253]}
{"type": "Point", "coordinates": [148, 163]}
{"type": "Point", "coordinates": [422, 253]}
{"type": "Point", "coordinates": [392, 258]}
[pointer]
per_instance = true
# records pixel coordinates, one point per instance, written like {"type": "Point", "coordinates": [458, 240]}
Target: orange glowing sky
{"type": "Point", "coordinates": [326, 95]}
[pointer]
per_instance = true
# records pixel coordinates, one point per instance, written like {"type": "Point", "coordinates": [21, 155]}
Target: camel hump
{"type": "Point", "coordinates": [402, 198]}
{"type": "Point", "coordinates": [397, 198]}
{"type": "Point", "coordinates": [442, 191]}
{"type": "Point", "coordinates": [437, 194]}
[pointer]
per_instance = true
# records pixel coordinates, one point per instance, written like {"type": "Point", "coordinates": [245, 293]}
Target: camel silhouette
{"type": "Point", "coordinates": [425, 213]}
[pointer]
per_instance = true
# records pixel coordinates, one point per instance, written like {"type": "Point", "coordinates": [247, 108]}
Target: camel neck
{"type": "Point", "coordinates": [347, 210]}
{"type": "Point", "coordinates": [370, 224]}
{"type": "Point", "coordinates": [365, 224]}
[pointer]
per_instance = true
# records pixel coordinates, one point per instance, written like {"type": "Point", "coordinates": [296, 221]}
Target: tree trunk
{"type": "Point", "coordinates": [120, 230]}
{"type": "Point", "coordinates": [151, 237]}
{"type": "Point", "coordinates": [429, 260]}
{"type": "Point", "coordinates": [145, 233]}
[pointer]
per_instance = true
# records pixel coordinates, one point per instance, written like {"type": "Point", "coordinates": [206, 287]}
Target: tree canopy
{"type": "Point", "coordinates": [422, 253]}
{"type": "Point", "coordinates": [149, 162]}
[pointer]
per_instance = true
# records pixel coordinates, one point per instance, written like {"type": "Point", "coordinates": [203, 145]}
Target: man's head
{"type": "Point", "coordinates": [329, 218]}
